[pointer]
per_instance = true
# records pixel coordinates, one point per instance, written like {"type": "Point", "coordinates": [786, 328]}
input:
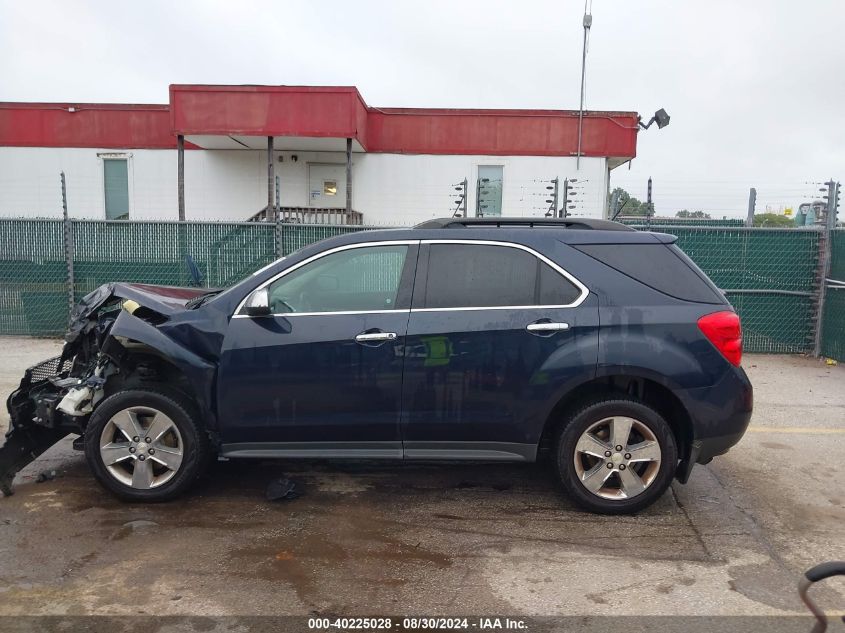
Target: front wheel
{"type": "Point", "coordinates": [616, 456]}
{"type": "Point", "coordinates": [146, 445]}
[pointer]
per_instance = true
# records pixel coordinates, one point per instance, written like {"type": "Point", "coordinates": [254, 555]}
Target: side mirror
{"type": "Point", "coordinates": [258, 303]}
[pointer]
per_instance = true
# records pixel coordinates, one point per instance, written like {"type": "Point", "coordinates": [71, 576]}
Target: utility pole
{"type": "Point", "coordinates": [563, 211]}
{"type": "Point", "coordinates": [567, 197]}
{"type": "Point", "coordinates": [825, 259]}
{"type": "Point", "coordinates": [180, 176]}
{"type": "Point", "coordinates": [752, 205]}
{"type": "Point", "coordinates": [479, 190]}
{"type": "Point", "coordinates": [832, 203]}
{"type": "Point", "coordinates": [461, 203]}
{"type": "Point", "coordinates": [649, 204]}
{"type": "Point", "coordinates": [612, 210]}
{"type": "Point", "coordinates": [552, 202]}
{"type": "Point", "coordinates": [271, 181]}
{"type": "Point", "coordinates": [69, 255]}
{"type": "Point", "coordinates": [588, 23]}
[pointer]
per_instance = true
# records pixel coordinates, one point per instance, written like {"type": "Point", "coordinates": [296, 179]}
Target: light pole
{"type": "Point", "coordinates": [588, 22]}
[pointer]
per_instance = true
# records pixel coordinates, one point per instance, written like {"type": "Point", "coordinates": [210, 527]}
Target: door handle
{"type": "Point", "coordinates": [375, 337]}
{"type": "Point", "coordinates": [547, 327]}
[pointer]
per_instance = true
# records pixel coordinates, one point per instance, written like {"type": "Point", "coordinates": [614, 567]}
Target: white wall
{"type": "Point", "coordinates": [390, 189]}
{"type": "Point", "coordinates": [417, 187]}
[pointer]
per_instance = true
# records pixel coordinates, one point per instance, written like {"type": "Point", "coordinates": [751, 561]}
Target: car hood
{"type": "Point", "coordinates": [163, 300]}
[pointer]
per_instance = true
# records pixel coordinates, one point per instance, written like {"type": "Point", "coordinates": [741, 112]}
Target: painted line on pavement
{"type": "Point", "coordinates": [795, 430]}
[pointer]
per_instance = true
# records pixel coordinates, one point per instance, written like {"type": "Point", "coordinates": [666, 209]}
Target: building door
{"type": "Point", "coordinates": [490, 179]}
{"type": "Point", "coordinates": [327, 186]}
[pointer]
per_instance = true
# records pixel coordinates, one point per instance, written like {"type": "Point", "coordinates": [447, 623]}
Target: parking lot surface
{"type": "Point", "coordinates": [432, 539]}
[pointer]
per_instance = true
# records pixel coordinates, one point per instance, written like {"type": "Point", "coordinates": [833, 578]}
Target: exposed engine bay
{"type": "Point", "coordinates": [116, 338]}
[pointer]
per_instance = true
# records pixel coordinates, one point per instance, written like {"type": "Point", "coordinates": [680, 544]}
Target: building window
{"type": "Point", "coordinates": [490, 178]}
{"type": "Point", "coordinates": [116, 188]}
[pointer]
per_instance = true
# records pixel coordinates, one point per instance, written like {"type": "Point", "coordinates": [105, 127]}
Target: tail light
{"type": "Point", "coordinates": [723, 329]}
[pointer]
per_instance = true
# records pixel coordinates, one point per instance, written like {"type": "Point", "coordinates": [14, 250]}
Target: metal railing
{"type": "Point", "coordinates": [309, 215]}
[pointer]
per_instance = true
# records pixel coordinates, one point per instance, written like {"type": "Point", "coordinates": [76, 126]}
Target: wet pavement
{"type": "Point", "coordinates": [403, 539]}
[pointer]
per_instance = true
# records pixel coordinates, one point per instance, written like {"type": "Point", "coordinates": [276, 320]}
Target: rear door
{"type": "Point", "coordinates": [496, 334]}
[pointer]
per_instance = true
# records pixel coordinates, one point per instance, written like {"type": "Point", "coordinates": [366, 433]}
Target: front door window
{"type": "Point", "coordinates": [358, 279]}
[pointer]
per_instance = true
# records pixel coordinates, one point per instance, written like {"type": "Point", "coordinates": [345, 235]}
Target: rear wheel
{"type": "Point", "coordinates": [146, 445]}
{"type": "Point", "coordinates": [616, 456]}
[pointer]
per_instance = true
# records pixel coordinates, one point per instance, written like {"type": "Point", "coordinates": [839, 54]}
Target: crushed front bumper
{"type": "Point", "coordinates": [34, 423]}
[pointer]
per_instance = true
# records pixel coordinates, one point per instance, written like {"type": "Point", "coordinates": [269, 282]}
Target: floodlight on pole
{"type": "Point", "coordinates": [660, 117]}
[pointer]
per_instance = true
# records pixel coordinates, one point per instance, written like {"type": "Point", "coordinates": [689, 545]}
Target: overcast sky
{"type": "Point", "coordinates": [755, 89]}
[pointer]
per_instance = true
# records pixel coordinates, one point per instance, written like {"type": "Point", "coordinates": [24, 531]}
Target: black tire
{"type": "Point", "coordinates": [594, 412]}
{"type": "Point", "coordinates": [196, 449]}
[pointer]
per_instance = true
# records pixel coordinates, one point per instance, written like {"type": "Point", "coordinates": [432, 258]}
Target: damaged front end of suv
{"type": "Point", "coordinates": [119, 335]}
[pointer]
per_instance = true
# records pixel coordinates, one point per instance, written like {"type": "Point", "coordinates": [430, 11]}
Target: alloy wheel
{"type": "Point", "coordinates": [141, 447]}
{"type": "Point", "coordinates": [617, 458]}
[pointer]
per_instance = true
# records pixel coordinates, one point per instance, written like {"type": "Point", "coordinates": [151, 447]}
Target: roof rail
{"type": "Point", "coordinates": [563, 223]}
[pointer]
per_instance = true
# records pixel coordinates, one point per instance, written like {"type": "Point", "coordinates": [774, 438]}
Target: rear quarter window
{"type": "Point", "coordinates": [662, 267]}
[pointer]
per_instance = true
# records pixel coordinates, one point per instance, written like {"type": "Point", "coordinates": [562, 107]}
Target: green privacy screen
{"type": "Point", "coordinates": [759, 268]}
{"type": "Point", "coordinates": [833, 328]}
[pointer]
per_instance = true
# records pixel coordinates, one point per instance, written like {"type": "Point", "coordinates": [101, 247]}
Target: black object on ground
{"type": "Point", "coordinates": [284, 489]}
{"type": "Point", "coordinates": [45, 475]}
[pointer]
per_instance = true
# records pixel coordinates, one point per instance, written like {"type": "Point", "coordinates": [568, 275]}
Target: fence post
{"type": "Point", "coordinates": [68, 240]}
{"type": "Point", "coordinates": [752, 206]}
{"type": "Point", "coordinates": [277, 236]}
{"type": "Point", "coordinates": [823, 268]}
{"type": "Point", "coordinates": [825, 254]}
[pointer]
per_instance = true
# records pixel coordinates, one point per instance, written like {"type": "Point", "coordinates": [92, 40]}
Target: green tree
{"type": "Point", "coordinates": [628, 204]}
{"type": "Point", "coordinates": [772, 220]}
{"type": "Point", "coordinates": [692, 214]}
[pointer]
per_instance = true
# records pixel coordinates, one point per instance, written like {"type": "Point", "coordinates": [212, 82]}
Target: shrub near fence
{"type": "Point", "coordinates": [769, 273]}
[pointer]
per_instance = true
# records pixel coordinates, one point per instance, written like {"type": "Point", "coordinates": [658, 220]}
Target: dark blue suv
{"type": "Point", "coordinates": [463, 339]}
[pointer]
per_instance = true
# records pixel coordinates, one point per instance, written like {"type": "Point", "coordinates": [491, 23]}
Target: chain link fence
{"type": "Point", "coordinates": [33, 277]}
{"type": "Point", "coordinates": [833, 321]}
{"type": "Point", "coordinates": [770, 275]}
{"type": "Point", "coordinates": [34, 270]}
{"type": "Point", "coordinates": [641, 221]}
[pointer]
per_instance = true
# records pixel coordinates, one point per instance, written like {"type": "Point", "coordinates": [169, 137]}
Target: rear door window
{"type": "Point", "coordinates": [481, 275]}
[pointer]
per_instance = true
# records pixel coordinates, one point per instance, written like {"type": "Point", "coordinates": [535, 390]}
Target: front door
{"type": "Point", "coordinates": [496, 333]}
{"type": "Point", "coordinates": [322, 375]}
{"type": "Point", "coordinates": [327, 186]}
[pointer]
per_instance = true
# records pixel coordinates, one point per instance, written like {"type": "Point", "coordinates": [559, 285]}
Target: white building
{"type": "Point", "coordinates": [310, 154]}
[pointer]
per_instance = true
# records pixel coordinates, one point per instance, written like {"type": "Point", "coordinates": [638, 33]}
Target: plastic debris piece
{"type": "Point", "coordinates": [283, 489]}
{"type": "Point", "coordinates": [45, 475]}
